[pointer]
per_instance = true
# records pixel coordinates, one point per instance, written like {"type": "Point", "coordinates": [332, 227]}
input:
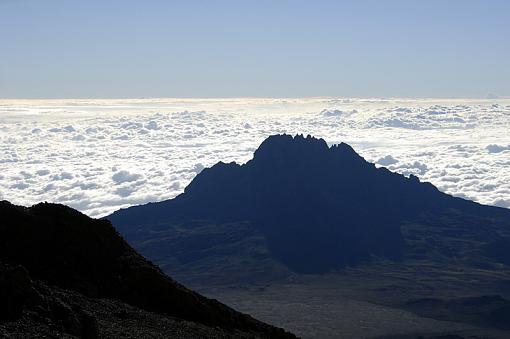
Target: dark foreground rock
{"type": "Point", "coordinates": [32, 309]}
{"type": "Point", "coordinates": [64, 274]}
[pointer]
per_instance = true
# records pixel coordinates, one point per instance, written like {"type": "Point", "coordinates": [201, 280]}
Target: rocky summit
{"type": "Point", "coordinates": [304, 207]}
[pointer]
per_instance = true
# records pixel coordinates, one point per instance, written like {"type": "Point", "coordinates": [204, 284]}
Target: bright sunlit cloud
{"type": "Point", "coordinates": [101, 155]}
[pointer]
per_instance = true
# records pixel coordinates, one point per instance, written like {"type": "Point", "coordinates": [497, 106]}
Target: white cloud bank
{"type": "Point", "coordinates": [98, 156]}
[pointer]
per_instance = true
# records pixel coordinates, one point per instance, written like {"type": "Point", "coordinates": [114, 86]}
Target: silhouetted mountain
{"type": "Point", "coordinates": [302, 206]}
{"type": "Point", "coordinates": [62, 272]}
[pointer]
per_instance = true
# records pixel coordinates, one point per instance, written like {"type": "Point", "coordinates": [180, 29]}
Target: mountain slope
{"type": "Point", "coordinates": [301, 206]}
{"type": "Point", "coordinates": [79, 264]}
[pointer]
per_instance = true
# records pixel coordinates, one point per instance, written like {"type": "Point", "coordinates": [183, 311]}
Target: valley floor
{"type": "Point", "coordinates": [383, 300]}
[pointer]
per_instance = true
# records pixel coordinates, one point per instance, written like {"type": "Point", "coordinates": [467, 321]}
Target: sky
{"type": "Point", "coordinates": [153, 48]}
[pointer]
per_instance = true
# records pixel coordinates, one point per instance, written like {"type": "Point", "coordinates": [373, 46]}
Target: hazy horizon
{"type": "Point", "coordinates": [134, 98]}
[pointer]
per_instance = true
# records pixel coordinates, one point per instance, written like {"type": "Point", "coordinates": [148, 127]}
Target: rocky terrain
{"type": "Point", "coordinates": [63, 274]}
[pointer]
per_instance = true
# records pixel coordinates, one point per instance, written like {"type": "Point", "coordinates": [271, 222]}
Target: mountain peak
{"type": "Point", "coordinates": [310, 201]}
{"type": "Point", "coordinates": [287, 145]}
{"type": "Point", "coordinates": [313, 208]}
{"type": "Point", "coordinates": [285, 149]}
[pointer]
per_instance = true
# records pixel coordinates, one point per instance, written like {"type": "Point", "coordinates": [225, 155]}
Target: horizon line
{"type": "Point", "coordinates": [254, 97]}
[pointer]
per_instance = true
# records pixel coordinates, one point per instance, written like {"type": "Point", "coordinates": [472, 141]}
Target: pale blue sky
{"type": "Point", "coordinates": [152, 48]}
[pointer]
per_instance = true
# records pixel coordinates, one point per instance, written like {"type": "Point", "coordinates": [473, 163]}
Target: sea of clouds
{"type": "Point", "coordinates": [101, 155]}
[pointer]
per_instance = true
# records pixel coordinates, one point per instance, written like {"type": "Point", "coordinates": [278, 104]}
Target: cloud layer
{"type": "Point", "coordinates": [98, 156]}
